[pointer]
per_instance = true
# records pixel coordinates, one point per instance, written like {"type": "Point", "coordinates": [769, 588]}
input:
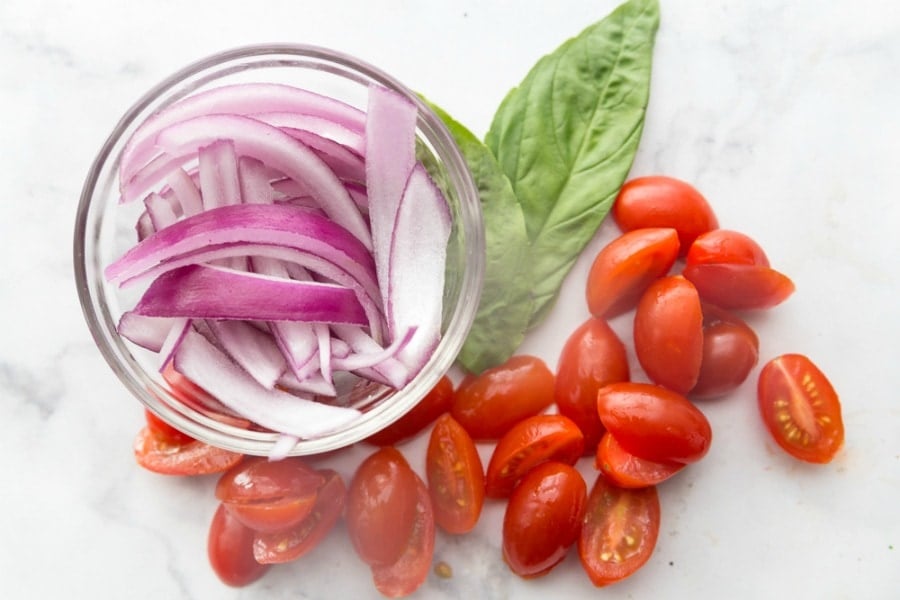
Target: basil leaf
{"type": "Point", "coordinates": [567, 136]}
{"type": "Point", "coordinates": [505, 308]}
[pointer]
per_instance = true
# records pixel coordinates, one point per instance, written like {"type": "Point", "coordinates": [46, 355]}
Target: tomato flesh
{"type": "Point", "coordinates": [730, 351]}
{"type": "Point", "coordinates": [740, 287]}
{"type": "Point", "coordinates": [165, 432]}
{"type": "Point", "coordinates": [433, 405]}
{"type": "Point", "coordinates": [726, 246]}
{"type": "Point", "coordinates": [455, 476]}
{"type": "Point", "coordinates": [800, 408]}
{"type": "Point", "coordinates": [230, 550]}
{"type": "Point", "coordinates": [629, 471]}
{"type": "Point", "coordinates": [161, 455]}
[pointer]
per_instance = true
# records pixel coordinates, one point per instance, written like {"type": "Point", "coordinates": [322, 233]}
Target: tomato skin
{"type": "Point", "coordinates": [491, 403]}
{"type": "Point", "coordinates": [543, 519]}
{"type": "Point", "coordinates": [531, 442]}
{"type": "Point", "coordinates": [730, 351]}
{"type": "Point", "coordinates": [660, 201]}
{"type": "Point", "coordinates": [381, 507]}
{"type": "Point", "coordinates": [624, 268]}
{"type": "Point", "coordinates": [740, 287]}
{"type": "Point", "coordinates": [191, 458]}
{"type": "Point", "coordinates": [619, 532]}
{"type": "Point", "coordinates": [800, 408]}
{"type": "Point", "coordinates": [455, 476]}
{"type": "Point", "coordinates": [626, 470]}
{"type": "Point", "coordinates": [230, 550]}
{"type": "Point", "coordinates": [592, 357]}
{"type": "Point", "coordinates": [654, 423]}
{"type": "Point", "coordinates": [668, 333]}
{"type": "Point", "coordinates": [165, 432]}
{"type": "Point", "coordinates": [726, 246]}
{"type": "Point", "coordinates": [258, 479]}
{"type": "Point", "coordinates": [433, 405]}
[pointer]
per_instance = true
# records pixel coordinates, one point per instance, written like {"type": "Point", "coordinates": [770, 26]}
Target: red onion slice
{"type": "Point", "coordinates": [219, 183]}
{"type": "Point", "coordinates": [252, 349]}
{"type": "Point", "coordinates": [351, 138]}
{"type": "Point", "coordinates": [184, 188]}
{"type": "Point", "coordinates": [146, 332]}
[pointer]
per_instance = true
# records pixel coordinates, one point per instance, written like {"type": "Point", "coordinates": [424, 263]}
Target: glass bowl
{"type": "Point", "coordinates": [104, 228]}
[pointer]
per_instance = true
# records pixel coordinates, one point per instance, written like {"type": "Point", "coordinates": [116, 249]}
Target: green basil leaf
{"type": "Point", "coordinates": [567, 135]}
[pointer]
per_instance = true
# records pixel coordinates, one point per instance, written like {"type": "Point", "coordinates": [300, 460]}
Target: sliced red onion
{"type": "Point", "coordinates": [351, 138]}
{"type": "Point", "coordinates": [390, 371]}
{"type": "Point", "coordinates": [354, 362]}
{"type": "Point", "coordinates": [315, 384]}
{"type": "Point", "coordinates": [346, 164]}
{"type": "Point", "coordinates": [219, 183]}
{"type": "Point", "coordinates": [282, 447]}
{"type": "Point", "coordinates": [255, 184]}
{"type": "Point", "coordinates": [160, 211]}
{"type": "Point", "coordinates": [290, 190]}
{"type": "Point", "coordinates": [144, 226]}
{"type": "Point", "coordinates": [179, 329]}
{"type": "Point", "coordinates": [146, 332]}
{"type": "Point", "coordinates": [252, 349]}
{"type": "Point", "coordinates": [185, 190]}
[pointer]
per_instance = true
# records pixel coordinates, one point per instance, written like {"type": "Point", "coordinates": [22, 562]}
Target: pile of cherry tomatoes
{"type": "Point", "coordinates": [691, 345]}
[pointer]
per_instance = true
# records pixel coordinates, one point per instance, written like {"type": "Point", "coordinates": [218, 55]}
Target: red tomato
{"type": "Point", "coordinates": [739, 287]}
{"type": "Point", "coordinates": [381, 507]}
{"type": "Point", "coordinates": [726, 246]}
{"type": "Point", "coordinates": [259, 480]}
{"type": "Point", "coordinates": [619, 533]}
{"type": "Point", "coordinates": [543, 519]}
{"type": "Point", "coordinates": [627, 470]}
{"type": "Point", "coordinates": [410, 571]}
{"type": "Point", "coordinates": [659, 201]}
{"type": "Point", "coordinates": [668, 333]}
{"type": "Point", "coordinates": [488, 405]}
{"type": "Point", "coordinates": [730, 351]}
{"type": "Point", "coordinates": [625, 267]}
{"type": "Point", "coordinates": [193, 458]}
{"type": "Point", "coordinates": [531, 442]}
{"type": "Point", "coordinates": [230, 550]}
{"type": "Point", "coordinates": [433, 405]}
{"type": "Point", "coordinates": [800, 408]}
{"type": "Point", "coordinates": [455, 476]}
{"type": "Point", "coordinates": [654, 423]}
{"type": "Point", "coordinates": [165, 432]}
{"type": "Point", "coordinates": [292, 543]}
{"type": "Point", "coordinates": [592, 357]}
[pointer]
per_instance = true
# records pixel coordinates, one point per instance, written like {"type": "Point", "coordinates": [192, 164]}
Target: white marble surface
{"type": "Point", "coordinates": [785, 114]}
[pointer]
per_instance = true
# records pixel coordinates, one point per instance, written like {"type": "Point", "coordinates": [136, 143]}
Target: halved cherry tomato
{"type": "Point", "coordinates": [543, 519]}
{"type": "Point", "coordinates": [433, 405]}
{"type": "Point", "coordinates": [292, 543]}
{"type": "Point", "coordinates": [627, 470]}
{"type": "Point", "coordinates": [381, 507]}
{"type": "Point", "coordinates": [659, 201]}
{"type": "Point", "coordinates": [592, 357]}
{"type": "Point", "coordinates": [619, 533]}
{"type": "Point", "coordinates": [455, 476]}
{"type": "Point", "coordinates": [160, 455]}
{"type": "Point", "coordinates": [488, 405]}
{"type": "Point", "coordinates": [258, 479]}
{"type": "Point", "coordinates": [654, 423]}
{"type": "Point", "coordinates": [726, 246]}
{"type": "Point", "coordinates": [730, 351]}
{"type": "Point", "coordinates": [668, 333]}
{"type": "Point", "coordinates": [800, 408]}
{"type": "Point", "coordinates": [625, 267]}
{"type": "Point", "coordinates": [165, 432]}
{"type": "Point", "coordinates": [530, 443]}
{"type": "Point", "coordinates": [230, 550]}
{"type": "Point", "coordinates": [740, 287]}
{"type": "Point", "coordinates": [411, 569]}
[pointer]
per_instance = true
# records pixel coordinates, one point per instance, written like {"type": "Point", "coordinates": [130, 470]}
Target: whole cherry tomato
{"type": "Point", "coordinates": [668, 333]}
{"type": "Point", "coordinates": [654, 423]}
{"type": "Point", "coordinates": [739, 287]}
{"type": "Point", "coordinates": [659, 201]}
{"type": "Point", "coordinates": [492, 402]}
{"type": "Point", "coordinates": [627, 470]}
{"type": "Point", "coordinates": [543, 518]}
{"type": "Point", "coordinates": [726, 246]}
{"type": "Point", "coordinates": [625, 267]}
{"type": "Point", "coordinates": [530, 443]}
{"type": "Point", "coordinates": [800, 408]}
{"type": "Point", "coordinates": [619, 533]}
{"type": "Point", "coordinates": [230, 550]}
{"type": "Point", "coordinates": [592, 357]}
{"type": "Point", "coordinates": [161, 454]}
{"type": "Point", "coordinates": [455, 476]}
{"type": "Point", "coordinates": [730, 351]}
{"type": "Point", "coordinates": [433, 405]}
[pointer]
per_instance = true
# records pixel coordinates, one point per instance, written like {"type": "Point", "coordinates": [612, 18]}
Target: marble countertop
{"type": "Point", "coordinates": [785, 114]}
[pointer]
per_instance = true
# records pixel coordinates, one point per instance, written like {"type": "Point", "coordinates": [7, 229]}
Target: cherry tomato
{"type": "Point", "coordinates": [625, 267]}
{"type": "Point", "coordinates": [730, 351]}
{"type": "Point", "coordinates": [230, 550]}
{"type": "Point", "coordinates": [668, 333]}
{"type": "Point", "coordinates": [258, 479]}
{"type": "Point", "coordinates": [290, 544]}
{"type": "Point", "coordinates": [165, 432]}
{"type": "Point", "coordinates": [381, 507]}
{"type": "Point", "coordinates": [627, 470]}
{"type": "Point", "coordinates": [619, 532]}
{"type": "Point", "coordinates": [654, 423]}
{"type": "Point", "coordinates": [531, 442]}
{"type": "Point", "coordinates": [488, 405]}
{"type": "Point", "coordinates": [433, 405]}
{"type": "Point", "coordinates": [659, 201]}
{"type": "Point", "coordinates": [740, 287]}
{"type": "Point", "coordinates": [192, 458]}
{"type": "Point", "coordinates": [800, 408]}
{"type": "Point", "coordinates": [455, 476]}
{"type": "Point", "coordinates": [726, 246]}
{"type": "Point", "coordinates": [592, 357]}
{"type": "Point", "coordinates": [543, 519]}
{"type": "Point", "coordinates": [410, 571]}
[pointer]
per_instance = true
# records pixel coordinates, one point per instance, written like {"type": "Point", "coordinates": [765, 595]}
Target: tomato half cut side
{"type": "Point", "coordinates": [433, 405]}
{"type": "Point", "coordinates": [800, 408]}
{"type": "Point", "coordinates": [192, 458]}
{"type": "Point", "coordinates": [740, 287]}
{"type": "Point", "coordinates": [230, 550]}
{"type": "Point", "coordinates": [455, 476]}
{"type": "Point", "coordinates": [528, 444]}
{"type": "Point", "coordinates": [619, 532]}
{"type": "Point", "coordinates": [730, 351]}
{"type": "Point", "coordinates": [726, 246]}
{"type": "Point", "coordinates": [627, 470]}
